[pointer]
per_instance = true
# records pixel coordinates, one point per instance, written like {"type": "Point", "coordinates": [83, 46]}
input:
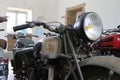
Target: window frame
{"type": "Point", "coordinates": [17, 11]}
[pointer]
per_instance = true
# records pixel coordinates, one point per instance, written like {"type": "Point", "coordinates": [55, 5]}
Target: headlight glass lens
{"type": "Point", "coordinates": [93, 26]}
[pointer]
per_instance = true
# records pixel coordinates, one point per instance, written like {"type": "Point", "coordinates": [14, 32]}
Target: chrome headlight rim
{"type": "Point", "coordinates": [84, 32]}
{"type": "Point", "coordinates": [99, 26]}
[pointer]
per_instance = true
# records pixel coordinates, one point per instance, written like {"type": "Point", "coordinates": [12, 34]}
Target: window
{"type": "Point", "coordinates": [17, 17]}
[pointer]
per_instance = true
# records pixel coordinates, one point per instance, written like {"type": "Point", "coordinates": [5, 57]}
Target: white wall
{"type": "Point", "coordinates": [44, 10]}
{"type": "Point", "coordinates": [51, 10]}
{"type": "Point", "coordinates": [107, 9]}
{"type": "Point", "coordinates": [37, 8]}
{"type": "Point", "coordinates": [50, 13]}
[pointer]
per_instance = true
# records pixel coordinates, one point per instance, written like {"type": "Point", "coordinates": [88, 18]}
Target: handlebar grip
{"type": "Point", "coordinates": [20, 27]}
{"type": "Point", "coordinates": [3, 19]}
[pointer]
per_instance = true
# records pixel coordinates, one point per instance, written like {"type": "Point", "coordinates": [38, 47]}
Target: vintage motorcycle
{"type": "Point", "coordinates": [22, 42]}
{"type": "Point", "coordinates": [67, 55]}
{"type": "Point", "coordinates": [109, 43]}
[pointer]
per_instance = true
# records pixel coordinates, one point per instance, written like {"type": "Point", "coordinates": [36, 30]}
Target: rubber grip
{"type": "Point", "coordinates": [20, 27]}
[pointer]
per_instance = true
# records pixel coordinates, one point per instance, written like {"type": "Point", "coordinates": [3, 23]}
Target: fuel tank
{"type": "Point", "coordinates": [51, 47]}
{"type": "Point", "coordinates": [109, 41]}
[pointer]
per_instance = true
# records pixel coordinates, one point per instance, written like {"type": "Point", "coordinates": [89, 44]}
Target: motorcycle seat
{"type": "Point", "coordinates": [25, 42]}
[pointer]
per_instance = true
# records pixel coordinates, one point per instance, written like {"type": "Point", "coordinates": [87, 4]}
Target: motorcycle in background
{"type": "Point", "coordinates": [22, 42]}
{"type": "Point", "coordinates": [3, 59]}
{"type": "Point", "coordinates": [109, 43]}
{"type": "Point", "coordinates": [66, 56]}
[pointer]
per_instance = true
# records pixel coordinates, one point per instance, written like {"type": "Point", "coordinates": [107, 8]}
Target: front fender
{"type": "Point", "coordinates": [109, 62]}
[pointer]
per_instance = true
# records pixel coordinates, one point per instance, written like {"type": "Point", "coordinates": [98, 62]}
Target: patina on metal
{"type": "Point", "coordinates": [109, 62]}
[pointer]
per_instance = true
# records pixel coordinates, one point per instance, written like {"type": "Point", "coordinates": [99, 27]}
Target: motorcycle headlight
{"type": "Point", "coordinates": [89, 26]}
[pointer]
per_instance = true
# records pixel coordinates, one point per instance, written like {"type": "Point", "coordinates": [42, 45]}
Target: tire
{"type": "Point", "coordinates": [98, 73]}
{"type": "Point", "coordinates": [95, 73]}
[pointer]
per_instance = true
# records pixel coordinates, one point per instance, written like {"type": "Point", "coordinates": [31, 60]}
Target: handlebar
{"type": "Point", "coordinates": [3, 19]}
{"type": "Point", "coordinates": [114, 30]}
{"type": "Point", "coordinates": [2, 29]}
{"type": "Point", "coordinates": [110, 31]}
{"type": "Point", "coordinates": [32, 24]}
{"type": "Point", "coordinates": [20, 27]}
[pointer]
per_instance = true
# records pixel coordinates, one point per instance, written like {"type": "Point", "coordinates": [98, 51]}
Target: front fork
{"type": "Point", "coordinates": [51, 68]}
{"type": "Point", "coordinates": [75, 56]}
{"type": "Point", "coordinates": [51, 73]}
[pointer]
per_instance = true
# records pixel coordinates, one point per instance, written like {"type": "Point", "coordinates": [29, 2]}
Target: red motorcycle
{"type": "Point", "coordinates": [109, 43]}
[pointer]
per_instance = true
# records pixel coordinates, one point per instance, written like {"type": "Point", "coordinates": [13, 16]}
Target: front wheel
{"type": "Point", "coordinates": [96, 73]}
{"type": "Point", "coordinates": [99, 73]}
